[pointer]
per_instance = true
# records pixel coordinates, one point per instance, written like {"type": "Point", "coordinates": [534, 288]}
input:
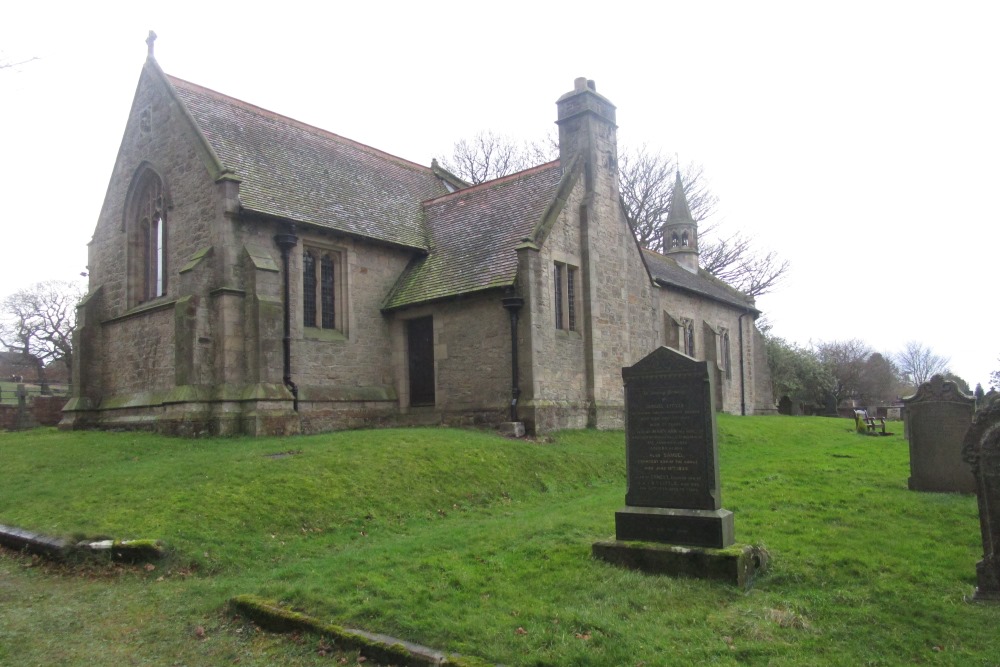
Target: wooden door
{"type": "Point", "coordinates": [420, 348]}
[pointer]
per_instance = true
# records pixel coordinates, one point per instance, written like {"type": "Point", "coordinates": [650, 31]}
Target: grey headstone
{"type": "Point", "coordinates": [673, 493]}
{"type": "Point", "coordinates": [937, 418]}
{"type": "Point", "coordinates": [981, 450]}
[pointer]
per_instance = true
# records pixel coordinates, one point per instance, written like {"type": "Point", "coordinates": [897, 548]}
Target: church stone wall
{"type": "Point", "coordinates": [709, 315]}
{"type": "Point", "coordinates": [472, 367]}
{"type": "Point", "coordinates": [138, 355]}
{"type": "Point", "coordinates": [158, 135]}
{"type": "Point", "coordinates": [558, 383]}
{"type": "Point", "coordinates": [361, 356]}
{"type": "Point", "coordinates": [133, 354]}
{"type": "Point", "coordinates": [472, 356]}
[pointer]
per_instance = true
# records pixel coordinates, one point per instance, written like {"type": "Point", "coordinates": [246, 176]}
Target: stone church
{"type": "Point", "coordinates": [253, 274]}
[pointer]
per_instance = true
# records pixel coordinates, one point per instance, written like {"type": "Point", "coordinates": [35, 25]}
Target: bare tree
{"type": "Point", "coordinates": [39, 321]}
{"type": "Point", "coordinates": [646, 182]}
{"type": "Point", "coordinates": [918, 364]}
{"type": "Point", "coordinates": [490, 155]}
{"type": "Point", "coordinates": [647, 178]}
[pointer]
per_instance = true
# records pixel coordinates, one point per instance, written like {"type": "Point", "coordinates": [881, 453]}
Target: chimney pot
{"type": "Point", "coordinates": [592, 85]}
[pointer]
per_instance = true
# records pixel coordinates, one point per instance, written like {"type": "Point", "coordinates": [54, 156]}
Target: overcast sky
{"type": "Point", "coordinates": [859, 140]}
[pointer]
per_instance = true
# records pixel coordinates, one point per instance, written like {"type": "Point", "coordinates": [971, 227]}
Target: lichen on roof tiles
{"type": "Point", "coordinates": [473, 236]}
{"type": "Point", "coordinates": [668, 272]}
{"type": "Point", "coordinates": [294, 171]}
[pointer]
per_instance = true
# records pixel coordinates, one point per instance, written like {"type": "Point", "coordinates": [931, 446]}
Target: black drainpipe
{"type": "Point", "coordinates": [286, 242]}
{"type": "Point", "coordinates": [513, 304]}
{"type": "Point", "coordinates": [743, 380]}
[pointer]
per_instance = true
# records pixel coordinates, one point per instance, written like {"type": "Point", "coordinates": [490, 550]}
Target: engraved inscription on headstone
{"type": "Point", "coordinates": [670, 438]}
{"type": "Point", "coordinates": [938, 416]}
{"type": "Point", "coordinates": [671, 454]}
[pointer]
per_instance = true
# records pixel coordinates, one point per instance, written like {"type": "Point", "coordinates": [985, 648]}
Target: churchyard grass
{"type": "Point", "coordinates": [474, 544]}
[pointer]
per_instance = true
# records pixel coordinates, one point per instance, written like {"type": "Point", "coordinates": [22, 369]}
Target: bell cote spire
{"type": "Point", "coordinates": [680, 231]}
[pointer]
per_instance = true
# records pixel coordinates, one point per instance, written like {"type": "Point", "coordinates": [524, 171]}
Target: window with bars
{"type": "Point", "coordinates": [322, 302]}
{"type": "Point", "coordinates": [565, 280]}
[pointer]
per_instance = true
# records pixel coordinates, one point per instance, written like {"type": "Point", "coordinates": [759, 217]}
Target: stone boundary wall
{"type": "Point", "coordinates": [42, 411]}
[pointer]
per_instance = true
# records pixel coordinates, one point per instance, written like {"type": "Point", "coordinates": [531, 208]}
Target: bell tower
{"type": "Point", "coordinates": [680, 231]}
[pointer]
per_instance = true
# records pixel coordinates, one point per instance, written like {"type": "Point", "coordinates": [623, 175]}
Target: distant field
{"type": "Point", "coordinates": [8, 391]}
{"type": "Point", "coordinates": [474, 544]}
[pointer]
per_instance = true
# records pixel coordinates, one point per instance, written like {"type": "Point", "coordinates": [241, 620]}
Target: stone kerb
{"type": "Point", "coordinates": [981, 450]}
{"type": "Point", "coordinates": [938, 417]}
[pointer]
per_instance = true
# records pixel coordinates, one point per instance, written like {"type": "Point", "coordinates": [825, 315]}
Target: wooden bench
{"type": "Point", "coordinates": [866, 424]}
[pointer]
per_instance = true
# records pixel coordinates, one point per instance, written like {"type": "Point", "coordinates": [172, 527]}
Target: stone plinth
{"type": "Point", "coordinates": [699, 528]}
{"type": "Point", "coordinates": [738, 565]}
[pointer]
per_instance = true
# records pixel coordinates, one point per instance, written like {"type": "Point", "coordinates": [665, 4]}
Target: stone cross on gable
{"type": "Point", "coordinates": [150, 40]}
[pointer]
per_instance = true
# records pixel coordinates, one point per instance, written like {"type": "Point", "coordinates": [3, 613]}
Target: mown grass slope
{"type": "Point", "coordinates": [472, 543]}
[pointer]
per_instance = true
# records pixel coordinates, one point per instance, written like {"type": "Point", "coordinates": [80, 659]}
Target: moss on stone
{"type": "Point", "coordinates": [137, 550]}
{"type": "Point", "coordinates": [196, 259]}
{"type": "Point", "coordinates": [271, 616]}
{"type": "Point", "coordinates": [260, 258]}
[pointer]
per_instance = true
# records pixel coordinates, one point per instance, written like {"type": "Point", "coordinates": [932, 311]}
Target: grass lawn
{"type": "Point", "coordinates": [470, 543]}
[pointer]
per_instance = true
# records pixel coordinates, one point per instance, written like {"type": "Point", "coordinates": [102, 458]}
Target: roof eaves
{"type": "Point", "coordinates": [388, 306]}
{"type": "Point", "coordinates": [251, 213]}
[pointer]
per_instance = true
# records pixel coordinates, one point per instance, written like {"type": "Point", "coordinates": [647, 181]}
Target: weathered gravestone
{"type": "Point", "coordinates": [673, 496]}
{"type": "Point", "coordinates": [937, 417]}
{"type": "Point", "coordinates": [982, 452]}
{"type": "Point", "coordinates": [671, 455]}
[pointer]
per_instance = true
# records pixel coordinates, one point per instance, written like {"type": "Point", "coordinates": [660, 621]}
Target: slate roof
{"type": "Point", "coordinates": [667, 272]}
{"type": "Point", "coordinates": [298, 172]}
{"type": "Point", "coordinates": [473, 234]}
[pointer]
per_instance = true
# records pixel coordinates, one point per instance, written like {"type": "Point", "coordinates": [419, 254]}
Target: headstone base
{"type": "Point", "coordinates": [696, 528]}
{"type": "Point", "coordinates": [512, 429]}
{"type": "Point", "coordinates": [738, 565]}
{"type": "Point", "coordinates": [988, 589]}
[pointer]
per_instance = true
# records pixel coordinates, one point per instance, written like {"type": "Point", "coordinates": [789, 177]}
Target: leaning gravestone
{"type": "Point", "coordinates": [673, 498]}
{"type": "Point", "coordinates": [938, 416]}
{"type": "Point", "coordinates": [982, 451]}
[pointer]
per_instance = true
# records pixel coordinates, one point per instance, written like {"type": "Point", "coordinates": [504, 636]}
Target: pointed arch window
{"type": "Point", "coordinates": [148, 268]}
